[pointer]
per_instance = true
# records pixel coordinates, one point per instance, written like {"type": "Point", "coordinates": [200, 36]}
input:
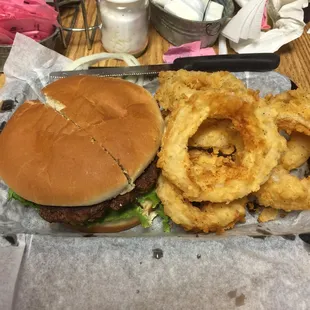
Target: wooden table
{"type": "Point", "coordinates": [295, 56]}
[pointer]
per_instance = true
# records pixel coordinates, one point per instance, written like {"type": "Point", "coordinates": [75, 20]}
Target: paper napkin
{"type": "Point", "coordinates": [244, 32]}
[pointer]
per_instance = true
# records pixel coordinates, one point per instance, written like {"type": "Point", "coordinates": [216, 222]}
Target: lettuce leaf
{"type": "Point", "coordinates": [142, 210]}
{"type": "Point", "coordinates": [127, 213]}
{"type": "Point", "coordinates": [166, 221]}
{"type": "Point", "coordinates": [151, 197]}
{"type": "Point", "coordinates": [27, 203]}
{"type": "Point", "coordinates": [124, 214]}
{"type": "Point", "coordinates": [148, 207]}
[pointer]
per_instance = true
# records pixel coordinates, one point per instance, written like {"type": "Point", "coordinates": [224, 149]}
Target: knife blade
{"type": "Point", "coordinates": [232, 63]}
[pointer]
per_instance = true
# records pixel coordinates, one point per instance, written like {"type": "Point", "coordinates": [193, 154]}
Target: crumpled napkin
{"type": "Point", "coordinates": [28, 67]}
{"type": "Point", "coordinates": [244, 33]}
{"type": "Point", "coordinates": [246, 24]}
{"type": "Point", "coordinates": [187, 50]}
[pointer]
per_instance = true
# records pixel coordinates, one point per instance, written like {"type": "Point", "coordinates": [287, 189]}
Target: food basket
{"type": "Point", "coordinates": [15, 218]}
{"type": "Point", "coordinates": [179, 31]}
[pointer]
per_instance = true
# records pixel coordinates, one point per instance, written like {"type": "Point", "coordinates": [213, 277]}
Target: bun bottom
{"type": "Point", "coordinates": [109, 227]}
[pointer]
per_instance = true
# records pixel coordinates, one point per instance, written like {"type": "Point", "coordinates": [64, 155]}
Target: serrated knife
{"type": "Point", "coordinates": [232, 63]}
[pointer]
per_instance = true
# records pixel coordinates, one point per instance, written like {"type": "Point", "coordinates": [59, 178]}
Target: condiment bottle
{"type": "Point", "coordinates": [125, 25]}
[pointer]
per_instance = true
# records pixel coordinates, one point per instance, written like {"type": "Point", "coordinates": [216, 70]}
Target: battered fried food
{"type": "Point", "coordinates": [263, 146]}
{"type": "Point", "coordinates": [285, 191]}
{"type": "Point", "coordinates": [267, 215]}
{"type": "Point", "coordinates": [294, 111]}
{"type": "Point", "coordinates": [176, 87]}
{"type": "Point", "coordinates": [222, 143]}
{"type": "Point", "coordinates": [298, 151]}
{"type": "Point", "coordinates": [210, 218]}
{"type": "Point", "coordinates": [205, 161]}
{"type": "Point", "coordinates": [220, 135]}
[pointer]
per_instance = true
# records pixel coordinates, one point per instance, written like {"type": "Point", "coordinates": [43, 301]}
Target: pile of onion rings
{"type": "Point", "coordinates": [253, 120]}
{"type": "Point", "coordinates": [222, 142]}
{"type": "Point", "coordinates": [284, 190]}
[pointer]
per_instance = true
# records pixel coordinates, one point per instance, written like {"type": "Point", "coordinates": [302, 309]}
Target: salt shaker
{"type": "Point", "coordinates": [125, 25]}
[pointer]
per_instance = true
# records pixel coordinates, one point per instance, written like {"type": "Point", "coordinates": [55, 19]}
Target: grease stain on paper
{"type": "Point", "coordinates": [232, 294]}
{"type": "Point", "coordinates": [239, 300]}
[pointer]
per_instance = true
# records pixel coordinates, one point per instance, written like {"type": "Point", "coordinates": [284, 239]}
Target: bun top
{"type": "Point", "coordinates": [47, 159]}
{"type": "Point", "coordinates": [81, 148]}
{"type": "Point", "coordinates": [122, 117]}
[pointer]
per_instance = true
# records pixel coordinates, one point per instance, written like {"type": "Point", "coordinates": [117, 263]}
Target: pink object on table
{"type": "Point", "coordinates": [36, 35]}
{"type": "Point", "coordinates": [6, 37]}
{"type": "Point", "coordinates": [265, 25]}
{"type": "Point", "coordinates": [27, 24]}
{"type": "Point", "coordinates": [34, 18]}
{"type": "Point", "coordinates": [29, 1]}
{"type": "Point", "coordinates": [16, 11]}
{"type": "Point", "coordinates": [187, 50]}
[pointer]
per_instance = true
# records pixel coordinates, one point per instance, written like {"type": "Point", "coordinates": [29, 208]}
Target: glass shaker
{"type": "Point", "coordinates": [125, 25]}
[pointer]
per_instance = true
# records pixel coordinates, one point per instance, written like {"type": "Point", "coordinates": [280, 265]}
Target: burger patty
{"type": "Point", "coordinates": [78, 215]}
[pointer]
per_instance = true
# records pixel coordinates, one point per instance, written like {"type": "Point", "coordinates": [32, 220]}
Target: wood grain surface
{"type": "Point", "coordinates": [295, 56]}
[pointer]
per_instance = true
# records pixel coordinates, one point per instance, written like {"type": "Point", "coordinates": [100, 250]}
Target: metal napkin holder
{"type": "Point", "coordinates": [76, 4]}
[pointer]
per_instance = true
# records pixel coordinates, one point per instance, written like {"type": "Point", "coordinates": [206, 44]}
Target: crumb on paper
{"type": "Point", "coordinates": [267, 215]}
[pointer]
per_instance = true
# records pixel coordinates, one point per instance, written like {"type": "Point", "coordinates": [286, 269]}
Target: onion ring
{"type": "Point", "coordinates": [219, 135]}
{"type": "Point", "coordinates": [83, 63]}
{"type": "Point", "coordinates": [293, 111]}
{"type": "Point", "coordinates": [298, 151]}
{"type": "Point", "coordinates": [178, 86]}
{"type": "Point", "coordinates": [207, 162]}
{"type": "Point", "coordinates": [263, 146]}
{"type": "Point", "coordinates": [210, 218]}
{"type": "Point", "coordinates": [285, 191]}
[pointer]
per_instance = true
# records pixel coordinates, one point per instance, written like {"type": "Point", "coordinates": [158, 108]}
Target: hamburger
{"type": "Point", "coordinates": [87, 157]}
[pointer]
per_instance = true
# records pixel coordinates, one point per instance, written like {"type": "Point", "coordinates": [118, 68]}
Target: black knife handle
{"type": "Point", "coordinates": [233, 63]}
